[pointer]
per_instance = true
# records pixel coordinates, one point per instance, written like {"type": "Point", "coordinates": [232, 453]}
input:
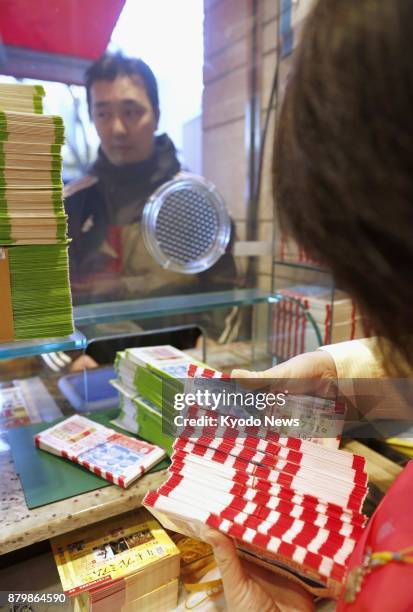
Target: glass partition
{"type": "Point", "coordinates": [147, 90]}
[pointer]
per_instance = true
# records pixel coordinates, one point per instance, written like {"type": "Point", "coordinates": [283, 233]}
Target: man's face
{"type": "Point", "coordinates": [124, 118]}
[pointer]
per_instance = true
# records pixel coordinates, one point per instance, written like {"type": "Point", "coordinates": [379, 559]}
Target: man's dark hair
{"type": "Point", "coordinates": [112, 65]}
{"type": "Point", "coordinates": [343, 156]}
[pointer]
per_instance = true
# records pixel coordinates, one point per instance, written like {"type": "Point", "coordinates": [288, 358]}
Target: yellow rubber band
{"type": "Point", "coordinates": [203, 586]}
{"type": "Point", "coordinates": [212, 588]}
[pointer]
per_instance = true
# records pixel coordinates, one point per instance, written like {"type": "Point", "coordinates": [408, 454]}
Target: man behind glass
{"type": "Point", "coordinates": [108, 259]}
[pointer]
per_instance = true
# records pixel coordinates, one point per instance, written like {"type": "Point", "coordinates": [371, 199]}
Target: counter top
{"type": "Point", "coordinates": [21, 527]}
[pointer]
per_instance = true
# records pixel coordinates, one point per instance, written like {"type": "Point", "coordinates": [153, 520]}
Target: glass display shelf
{"type": "Point", "coordinates": [26, 348]}
{"type": "Point", "coordinates": [107, 312]}
{"type": "Point", "coordinates": [141, 309]}
{"type": "Point", "coordinates": [134, 310]}
{"type": "Point", "coordinates": [301, 266]}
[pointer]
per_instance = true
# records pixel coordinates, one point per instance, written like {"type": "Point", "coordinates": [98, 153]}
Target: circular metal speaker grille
{"type": "Point", "coordinates": [185, 225]}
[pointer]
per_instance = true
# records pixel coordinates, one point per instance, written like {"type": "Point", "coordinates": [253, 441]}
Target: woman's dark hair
{"type": "Point", "coordinates": [112, 65]}
{"type": "Point", "coordinates": [343, 155]}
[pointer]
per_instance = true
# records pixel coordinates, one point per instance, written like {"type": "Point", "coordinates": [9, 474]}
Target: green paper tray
{"type": "Point", "coordinates": [47, 478]}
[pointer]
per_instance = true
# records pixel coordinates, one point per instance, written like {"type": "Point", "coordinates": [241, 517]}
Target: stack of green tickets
{"type": "Point", "coordinates": [31, 204]}
{"type": "Point", "coordinates": [34, 269]}
{"type": "Point", "coordinates": [124, 383]}
{"type": "Point", "coordinates": [21, 98]}
{"type": "Point", "coordinates": [41, 299]}
{"type": "Point", "coordinates": [148, 379]}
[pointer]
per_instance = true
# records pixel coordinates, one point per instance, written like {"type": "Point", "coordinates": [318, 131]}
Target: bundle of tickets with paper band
{"type": "Point", "coordinates": [114, 456]}
{"type": "Point", "coordinates": [34, 277]}
{"type": "Point", "coordinates": [291, 505]}
{"type": "Point", "coordinates": [125, 563]}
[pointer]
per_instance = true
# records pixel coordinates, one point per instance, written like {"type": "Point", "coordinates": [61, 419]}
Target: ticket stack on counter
{"type": "Point", "coordinates": [126, 563]}
{"type": "Point", "coordinates": [147, 380]}
{"type": "Point", "coordinates": [118, 458]}
{"type": "Point", "coordinates": [125, 371]}
{"type": "Point", "coordinates": [34, 271]}
{"type": "Point", "coordinates": [289, 503]}
{"type": "Point", "coordinates": [335, 315]}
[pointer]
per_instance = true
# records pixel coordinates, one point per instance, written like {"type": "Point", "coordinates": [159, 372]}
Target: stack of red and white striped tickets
{"type": "Point", "coordinates": [288, 251]}
{"type": "Point", "coordinates": [291, 505]}
{"type": "Point", "coordinates": [306, 308]}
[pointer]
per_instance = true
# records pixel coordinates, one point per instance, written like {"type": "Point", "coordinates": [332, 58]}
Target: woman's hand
{"type": "Point", "coordinates": [250, 588]}
{"type": "Point", "coordinates": [310, 373]}
{"type": "Point", "coordinates": [314, 365]}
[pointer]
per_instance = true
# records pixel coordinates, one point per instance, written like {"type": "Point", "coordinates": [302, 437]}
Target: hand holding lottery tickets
{"type": "Point", "coordinates": [315, 365]}
{"type": "Point", "coordinates": [250, 587]}
{"type": "Point", "coordinates": [246, 585]}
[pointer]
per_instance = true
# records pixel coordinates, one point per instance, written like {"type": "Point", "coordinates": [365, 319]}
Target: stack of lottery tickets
{"type": "Point", "coordinates": [304, 309]}
{"type": "Point", "coordinates": [116, 457]}
{"type": "Point", "coordinates": [34, 266]}
{"type": "Point", "coordinates": [291, 505]}
{"type": "Point", "coordinates": [147, 380]}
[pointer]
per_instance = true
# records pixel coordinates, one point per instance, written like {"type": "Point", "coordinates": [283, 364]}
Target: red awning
{"type": "Point", "coordinates": [54, 40]}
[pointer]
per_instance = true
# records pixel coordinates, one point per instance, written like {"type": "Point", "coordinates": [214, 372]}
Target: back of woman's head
{"type": "Point", "coordinates": [343, 157]}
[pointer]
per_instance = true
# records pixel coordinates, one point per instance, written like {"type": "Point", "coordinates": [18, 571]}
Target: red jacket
{"type": "Point", "coordinates": [388, 588]}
